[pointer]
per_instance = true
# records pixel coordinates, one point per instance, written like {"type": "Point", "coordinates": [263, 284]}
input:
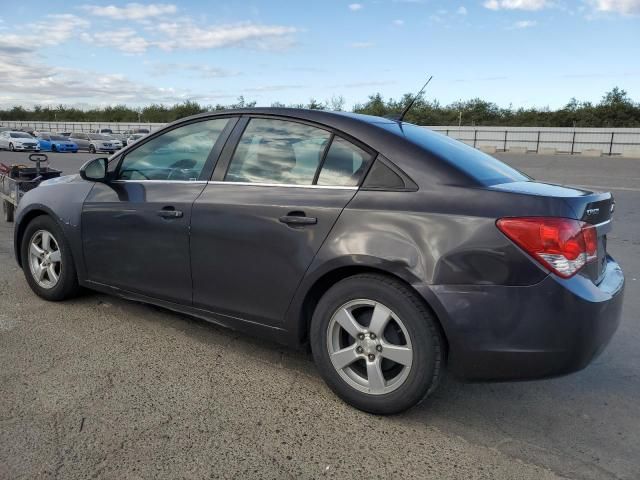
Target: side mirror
{"type": "Point", "coordinates": [95, 170]}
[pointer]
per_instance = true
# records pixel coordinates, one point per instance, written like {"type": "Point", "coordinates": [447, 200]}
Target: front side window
{"type": "Point", "coordinates": [278, 151]}
{"type": "Point", "coordinates": [179, 154]}
{"type": "Point", "coordinates": [343, 165]}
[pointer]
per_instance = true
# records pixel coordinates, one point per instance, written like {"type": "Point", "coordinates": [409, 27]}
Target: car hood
{"type": "Point", "coordinates": [24, 140]}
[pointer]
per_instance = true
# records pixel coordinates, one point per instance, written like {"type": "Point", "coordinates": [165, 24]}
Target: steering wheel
{"type": "Point", "coordinates": [182, 166]}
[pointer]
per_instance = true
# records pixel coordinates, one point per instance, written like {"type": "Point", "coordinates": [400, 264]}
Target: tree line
{"type": "Point", "coordinates": [615, 109]}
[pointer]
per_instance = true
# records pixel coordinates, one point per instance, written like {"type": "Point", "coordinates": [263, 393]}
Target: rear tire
{"type": "Point", "coordinates": [47, 260]}
{"type": "Point", "coordinates": [393, 356]}
{"type": "Point", "coordinates": [8, 210]}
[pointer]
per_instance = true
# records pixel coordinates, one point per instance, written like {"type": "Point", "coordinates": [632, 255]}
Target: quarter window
{"type": "Point", "coordinates": [179, 154]}
{"type": "Point", "coordinates": [278, 151]}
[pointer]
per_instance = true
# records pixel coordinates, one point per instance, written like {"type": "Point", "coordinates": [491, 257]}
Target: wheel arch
{"type": "Point", "coordinates": [25, 219]}
{"type": "Point", "coordinates": [323, 283]}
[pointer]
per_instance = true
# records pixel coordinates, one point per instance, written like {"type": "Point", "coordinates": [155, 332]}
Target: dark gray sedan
{"type": "Point", "coordinates": [393, 251]}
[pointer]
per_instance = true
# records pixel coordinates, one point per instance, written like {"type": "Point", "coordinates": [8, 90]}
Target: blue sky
{"type": "Point", "coordinates": [519, 52]}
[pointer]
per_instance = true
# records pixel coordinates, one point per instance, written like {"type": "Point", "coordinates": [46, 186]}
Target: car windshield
{"type": "Point", "coordinates": [106, 130]}
{"type": "Point", "coordinates": [59, 138]}
{"type": "Point", "coordinates": [480, 166]}
{"type": "Point", "coordinates": [100, 137]}
{"type": "Point", "coordinates": [20, 135]}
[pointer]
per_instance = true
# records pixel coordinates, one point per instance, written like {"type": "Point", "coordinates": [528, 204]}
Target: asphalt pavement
{"type": "Point", "coordinates": [108, 388]}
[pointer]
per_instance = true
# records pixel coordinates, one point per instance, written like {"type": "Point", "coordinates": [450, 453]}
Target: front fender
{"type": "Point", "coordinates": [62, 200]}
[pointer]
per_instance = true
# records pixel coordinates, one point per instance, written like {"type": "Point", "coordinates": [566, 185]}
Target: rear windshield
{"type": "Point", "coordinates": [480, 166]}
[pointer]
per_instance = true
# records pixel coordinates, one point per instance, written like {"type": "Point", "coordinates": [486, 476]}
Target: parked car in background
{"type": "Point", "coordinates": [103, 131]}
{"type": "Point", "coordinates": [5, 129]}
{"type": "Point", "coordinates": [56, 143]}
{"type": "Point", "coordinates": [134, 137]}
{"type": "Point", "coordinates": [93, 142]}
{"type": "Point", "coordinates": [393, 251]}
{"type": "Point", "coordinates": [18, 141]}
{"type": "Point", "coordinates": [117, 143]}
{"type": "Point", "coordinates": [144, 131]}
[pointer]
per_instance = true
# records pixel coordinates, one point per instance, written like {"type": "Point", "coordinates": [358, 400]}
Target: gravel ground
{"type": "Point", "coordinates": [107, 388]}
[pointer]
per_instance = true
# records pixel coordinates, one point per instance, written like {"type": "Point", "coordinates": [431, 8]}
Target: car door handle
{"type": "Point", "coordinates": [170, 212]}
{"type": "Point", "coordinates": [298, 218]}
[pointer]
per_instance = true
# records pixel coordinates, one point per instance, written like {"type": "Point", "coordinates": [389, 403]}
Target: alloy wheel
{"type": "Point", "coordinates": [45, 259]}
{"type": "Point", "coordinates": [369, 346]}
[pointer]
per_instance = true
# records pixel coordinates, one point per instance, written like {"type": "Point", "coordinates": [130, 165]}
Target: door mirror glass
{"type": "Point", "coordinates": [95, 170]}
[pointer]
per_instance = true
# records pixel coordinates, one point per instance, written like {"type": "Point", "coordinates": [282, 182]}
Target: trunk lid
{"type": "Point", "coordinates": [594, 208]}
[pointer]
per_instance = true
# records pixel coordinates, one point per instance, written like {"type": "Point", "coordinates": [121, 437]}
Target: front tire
{"type": "Point", "coordinates": [12, 148]}
{"type": "Point", "coordinates": [376, 344]}
{"type": "Point", "coordinates": [92, 149]}
{"type": "Point", "coordinates": [47, 260]}
{"type": "Point", "coordinates": [53, 148]}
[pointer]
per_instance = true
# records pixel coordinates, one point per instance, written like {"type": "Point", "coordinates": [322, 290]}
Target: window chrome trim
{"type": "Point", "coordinates": [201, 182]}
{"type": "Point", "coordinates": [286, 185]}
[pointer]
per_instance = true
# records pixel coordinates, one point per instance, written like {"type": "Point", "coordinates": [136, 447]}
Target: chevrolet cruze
{"type": "Point", "coordinates": [394, 252]}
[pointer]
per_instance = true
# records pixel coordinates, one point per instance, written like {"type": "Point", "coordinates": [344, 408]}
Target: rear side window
{"type": "Point", "coordinates": [278, 151]}
{"type": "Point", "coordinates": [343, 165]}
{"type": "Point", "coordinates": [480, 166]}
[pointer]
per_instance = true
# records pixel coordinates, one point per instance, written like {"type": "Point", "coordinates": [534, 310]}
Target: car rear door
{"type": "Point", "coordinates": [258, 225]}
{"type": "Point", "coordinates": [135, 228]}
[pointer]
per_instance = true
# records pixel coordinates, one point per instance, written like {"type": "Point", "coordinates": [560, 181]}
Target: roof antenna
{"type": "Point", "coordinates": [413, 100]}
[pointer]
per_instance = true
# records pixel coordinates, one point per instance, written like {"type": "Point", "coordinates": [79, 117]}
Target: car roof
{"type": "Point", "coordinates": [383, 135]}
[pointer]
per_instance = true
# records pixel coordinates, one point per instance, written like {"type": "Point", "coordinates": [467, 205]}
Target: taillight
{"type": "Point", "coordinates": [563, 245]}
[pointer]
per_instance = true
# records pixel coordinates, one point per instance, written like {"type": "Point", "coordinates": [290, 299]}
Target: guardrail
{"type": "Point", "coordinates": [603, 141]}
{"type": "Point", "coordinates": [610, 142]}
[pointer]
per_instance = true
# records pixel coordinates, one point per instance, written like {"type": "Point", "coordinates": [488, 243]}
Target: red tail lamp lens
{"type": "Point", "coordinates": [563, 245]}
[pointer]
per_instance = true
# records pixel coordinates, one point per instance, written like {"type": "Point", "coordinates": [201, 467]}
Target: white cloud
{"type": "Point", "coordinates": [198, 70]}
{"type": "Point", "coordinates": [461, 10]}
{"type": "Point", "coordinates": [398, 23]}
{"type": "Point", "coordinates": [362, 44]}
{"type": "Point", "coordinates": [126, 40]}
{"type": "Point", "coordinates": [523, 24]}
{"type": "Point", "coordinates": [354, 7]}
{"type": "Point", "coordinates": [516, 4]}
{"type": "Point", "coordinates": [132, 11]}
{"type": "Point", "coordinates": [625, 7]}
{"type": "Point", "coordinates": [185, 34]}
{"type": "Point", "coordinates": [54, 30]}
{"type": "Point", "coordinates": [28, 83]}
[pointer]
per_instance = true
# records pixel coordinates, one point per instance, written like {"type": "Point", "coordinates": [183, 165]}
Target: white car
{"type": "Point", "coordinates": [18, 141]}
{"type": "Point", "coordinates": [115, 141]}
{"type": "Point", "coordinates": [134, 137]}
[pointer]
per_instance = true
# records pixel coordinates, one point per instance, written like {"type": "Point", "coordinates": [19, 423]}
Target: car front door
{"type": "Point", "coordinates": [258, 225]}
{"type": "Point", "coordinates": [135, 228]}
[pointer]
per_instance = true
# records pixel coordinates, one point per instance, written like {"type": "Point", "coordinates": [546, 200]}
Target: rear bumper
{"type": "Point", "coordinates": [514, 333]}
